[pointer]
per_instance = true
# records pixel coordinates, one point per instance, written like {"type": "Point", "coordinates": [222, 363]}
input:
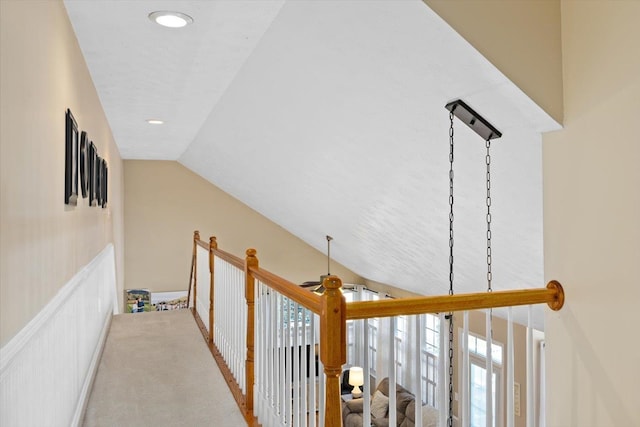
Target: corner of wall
{"type": "Point", "coordinates": [522, 39]}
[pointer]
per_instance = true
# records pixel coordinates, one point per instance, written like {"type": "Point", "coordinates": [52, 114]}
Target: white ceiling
{"type": "Point", "coordinates": [328, 118]}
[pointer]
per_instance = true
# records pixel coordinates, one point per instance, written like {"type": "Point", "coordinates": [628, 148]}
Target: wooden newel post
{"type": "Point", "coordinates": [194, 269]}
{"type": "Point", "coordinates": [333, 348]}
{"type": "Point", "coordinates": [249, 292]}
{"type": "Point", "coordinates": [213, 244]}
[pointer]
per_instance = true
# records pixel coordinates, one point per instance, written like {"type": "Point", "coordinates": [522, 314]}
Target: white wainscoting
{"type": "Point", "coordinates": [47, 369]}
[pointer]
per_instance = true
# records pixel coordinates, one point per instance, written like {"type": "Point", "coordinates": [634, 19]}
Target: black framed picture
{"type": "Point", "coordinates": [84, 158]}
{"type": "Point", "coordinates": [98, 181]}
{"type": "Point", "coordinates": [71, 160]}
{"type": "Point", "coordinates": [93, 163]}
{"type": "Point", "coordinates": [103, 181]}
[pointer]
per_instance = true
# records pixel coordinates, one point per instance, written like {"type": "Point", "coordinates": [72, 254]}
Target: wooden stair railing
{"type": "Point", "coordinates": [251, 262]}
{"type": "Point", "coordinates": [333, 346]}
{"type": "Point", "coordinates": [334, 312]}
{"type": "Point", "coordinates": [213, 245]}
{"type": "Point", "coordinates": [552, 295]}
{"type": "Point", "coordinates": [192, 273]}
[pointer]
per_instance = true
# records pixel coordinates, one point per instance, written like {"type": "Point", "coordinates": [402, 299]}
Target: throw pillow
{"type": "Point", "coordinates": [380, 422]}
{"type": "Point", "coordinates": [379, 405]}
{"type": "Point", "coordinates": [430, 416]}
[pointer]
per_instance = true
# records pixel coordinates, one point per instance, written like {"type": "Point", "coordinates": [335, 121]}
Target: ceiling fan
{"type": "Point", "coordinates": [317, 284]}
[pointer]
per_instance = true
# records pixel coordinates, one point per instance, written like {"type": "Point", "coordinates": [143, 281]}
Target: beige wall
{"type": "Point", "coordinates": [43, 242]}
{"type": "Point", "coordinates": [165, 202]}
{"type": "Point", "coordinates": [520, 37]}
{"type": "Point", "coordinates": [592, 220]}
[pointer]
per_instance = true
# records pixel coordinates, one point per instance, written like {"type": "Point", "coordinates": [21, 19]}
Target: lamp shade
{"type": "Point", "coordinates": [355, 376]}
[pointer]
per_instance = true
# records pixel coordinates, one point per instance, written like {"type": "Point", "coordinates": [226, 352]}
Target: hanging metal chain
{"type": "Point", "coordinates": [450, 316]}
{"type": "Point", "coordinates": [488, 161]}
{"type": "Point", "coordinates": [489, 274]}
{"type": "Point", "coordinates": [451, 204]}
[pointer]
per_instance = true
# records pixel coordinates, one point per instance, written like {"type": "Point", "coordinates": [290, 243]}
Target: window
{"type": "Point", "coordinates": [478, 347]}
{"type": "Point", "coordinates": [399, 347]}
{"type": "Point", "coordinates": [351, 296]}
{"type": "Point", "coordinates": [478, 393]}
{"type": "Point", "coordinates": [478, 381]}
{"type": "Point", "coordinates": [429, 360]}
{"type": "Point", "coordinates": [373, 345]}
{"type": "Point", "coordinates": [403, 346]}
{"type": "Point", "coordinates": [432, 333]}
{"type": "Point", "coordinates": [355, 350]}
{"type": "Point", "coordinates": [373, 333]}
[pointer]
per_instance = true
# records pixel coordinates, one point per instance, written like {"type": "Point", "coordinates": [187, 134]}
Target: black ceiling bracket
{"type": "Point", "coordinates": [472, 119]}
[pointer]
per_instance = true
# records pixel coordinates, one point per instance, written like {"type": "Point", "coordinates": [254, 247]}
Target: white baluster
{"type": "Point", "coordinates": [281, 361]}
{"type": "Point", "coordinates": [315, 375]}
{"type": "Point", "coordinates": [305, 350]}
{"type": "Point", "coordinates": [392, 371]}
{"type": "Point", "coordinates": [466, 401]}
{"type": "Point", "coordinates": [510, 362]}
{"type": "Point", "coordinates": [323, 380]}
{"type": "Point", "coordinates": [489, 368]}
{"type": "Point", "coordinates": [297, 354]}
{"type": "Point", "coordinates": [366, 412]}
{"type": "Point", "coordinates": [420, 339]}
{"type": "Point", "coordinates": [542, 391]}
{"type": "Point", "coordinates": [273, 345]}
{"type": "Point", "coordinates": [287, 348]}
{"type": "Point", "coordinates": [530, 377]}
{"type": "Point", "coordinates": [443, 377]}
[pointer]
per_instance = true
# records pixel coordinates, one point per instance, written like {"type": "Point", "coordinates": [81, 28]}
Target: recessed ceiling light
{"type": "Point", "coordinates": [155, 122]}
{"type": "Point", "coordinates": [170, 19]}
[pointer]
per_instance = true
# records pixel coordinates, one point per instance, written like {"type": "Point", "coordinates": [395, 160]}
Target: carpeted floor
{"type": "Point", "coordinates": [156, 370]}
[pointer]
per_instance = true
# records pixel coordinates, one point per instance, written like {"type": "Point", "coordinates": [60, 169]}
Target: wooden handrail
{"type": "Point", "coordinates": [553, 295]}
{"type": "Point", "coordinates": [230, 258]}
{"type": "Point", "coordinates": [334, 312]}
{"type": "Point", "coordinates": [202, 244]}
{"type": "Point", "coordinates": [285, 287]}
{"type": "Point", "coordinates": [289, 289]}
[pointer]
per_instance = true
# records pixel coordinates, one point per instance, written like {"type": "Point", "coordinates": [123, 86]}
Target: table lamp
{"type": "Point", "coordinates": [356, 379]}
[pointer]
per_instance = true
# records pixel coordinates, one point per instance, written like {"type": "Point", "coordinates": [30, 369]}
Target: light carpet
{"type": "Point", "coordinates": [156, 370]}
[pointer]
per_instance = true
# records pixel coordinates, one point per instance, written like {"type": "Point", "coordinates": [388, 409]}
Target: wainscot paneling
{"type": "Point", "coordinates": [47, 369]}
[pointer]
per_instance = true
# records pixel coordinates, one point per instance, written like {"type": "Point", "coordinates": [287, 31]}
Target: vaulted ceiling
{"type": "Point", "coordinates": [328, 117]}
